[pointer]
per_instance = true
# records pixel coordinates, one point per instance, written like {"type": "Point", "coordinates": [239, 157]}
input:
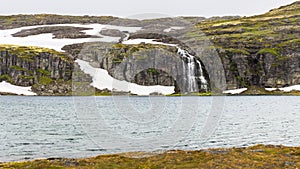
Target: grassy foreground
{"type": "Point", "coordinates": [259, 156]}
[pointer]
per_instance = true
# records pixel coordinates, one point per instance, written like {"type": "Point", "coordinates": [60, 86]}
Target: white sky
{"type": "Point", "coordinates": [128, 8]}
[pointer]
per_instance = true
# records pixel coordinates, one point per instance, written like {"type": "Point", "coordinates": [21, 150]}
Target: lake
{"type": "Point", "coordinates": [44, 127]}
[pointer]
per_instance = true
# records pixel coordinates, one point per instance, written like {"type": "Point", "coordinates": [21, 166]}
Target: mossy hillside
{"type": "Point", "coordinates": [270, 30]}
{"type": "Point", "coordinates": [288, 10]}
{"type": "Point", "coordinates": [255, 49]}
{"type": "Point", "coordinates": [259, 156]}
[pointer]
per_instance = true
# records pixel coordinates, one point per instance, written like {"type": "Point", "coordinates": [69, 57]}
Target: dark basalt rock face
{"type": "Point", "coordinates": [264, 70]}
{"type": "Point", "coordinates": [143, 64]}
{"type": "Point", "coordinates": [47, 71]}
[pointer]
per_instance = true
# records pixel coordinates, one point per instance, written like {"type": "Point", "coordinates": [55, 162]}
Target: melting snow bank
{"type": "Point", "coordinates": [286, 89]}
{"type": "Point", "coordinates": [173, 28]}
{"type": "Point", "coordinates": [149, 41]}
{"type": "Point", "coordinates": [102, 80]}
{"type": "Point", "coordinates": [235, 91]}
{"type": "Point", "coordinates": [19, 90]}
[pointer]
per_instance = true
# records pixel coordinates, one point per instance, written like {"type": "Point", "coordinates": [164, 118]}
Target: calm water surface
{"type": "Point", "coordinates": [43, 127]}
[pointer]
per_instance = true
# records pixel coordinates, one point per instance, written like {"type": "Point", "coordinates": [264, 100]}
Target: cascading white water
{"type": "Point", "coordinates": [192, 68]}
{"type": "Point", "coordinates": [192, 72]}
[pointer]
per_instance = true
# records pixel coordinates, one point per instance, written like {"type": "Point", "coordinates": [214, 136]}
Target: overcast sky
{"type": "Point", "coordinates": [128, 8]}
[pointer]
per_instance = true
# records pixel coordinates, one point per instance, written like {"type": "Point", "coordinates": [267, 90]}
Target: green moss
{"type": "Point", "coordinates": [153, 71]}
{"type": "Point", "coordinates": [241, 81]}
{"type": "Point", "coordinates": [117, 60]}
{"type": "Point", "coordinates": [44, 72]}
{"type": "Point", "coordinates": [289, 43]}
{"type": "Point", "coordinates": [28, 53]}
{"type": "Point", "coordinates": [17, 68]}
{"type": "Point", "coordinates": [276, 29]}
{"type": "Point", "coordinates": [44, 80]}
{"type": "Point", "coordinates": [7, 78]}
{"type": "Point", "coordinates": [119, 52]}
{"type": "Point", "coordinates": [237, 51]}
{"type": "Point", "coordinates": [25, 77]}
{"type": "Point", "coordinates": [272, 51]}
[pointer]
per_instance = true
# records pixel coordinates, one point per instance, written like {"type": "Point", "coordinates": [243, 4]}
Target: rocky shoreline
{"type": "Point", "coordinates": [259, 156]}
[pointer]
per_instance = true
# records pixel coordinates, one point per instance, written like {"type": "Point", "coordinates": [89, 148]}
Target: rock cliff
{"type": "Point", "coordinates": [47, 71]}
{"type": "Point", "coordinates": [261, 50]}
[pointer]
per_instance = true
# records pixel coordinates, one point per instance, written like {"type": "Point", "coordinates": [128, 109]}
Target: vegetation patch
{"type": "Point", "coordinates": [44, 80]}
{"type": "Point", "coordinates": [7, 78]}
{"type": "Point", "coordinates": [44, 72]}
{"type": "Point", "coordinates": [153, 71]}
{"type": "Point", "coordinates": [271, 51]}
{"type": "Point", "coordinates": [277, 29]}
{"type": "Point", "coordinates": [260, 156]}
{"type": "Point", "coordinates": [29, 52]}
{"type": "Point", "coordinates": [119, 52]}
{"type": "Point", "coordinates": [25, 77]}
{"type": "Point", "coordinates": [233, 51]}
{"type": "Point", "coordinates": [18, 68]}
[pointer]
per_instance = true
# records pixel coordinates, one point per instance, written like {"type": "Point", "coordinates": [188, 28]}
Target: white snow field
{"type": "Point", "coordinates": [6, 87]}
{"type": "Point", "coordinates": [235, 91]}
{"type": "Point", "coordinates": [285, 89]}
{"type": "Point", "coordinates": [47, 41]}
{"type": "Point", "coordinates": [102, 80]}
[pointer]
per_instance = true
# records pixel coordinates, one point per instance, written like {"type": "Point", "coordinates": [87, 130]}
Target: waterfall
{"type": "Point", "coordinates": [192, 72]}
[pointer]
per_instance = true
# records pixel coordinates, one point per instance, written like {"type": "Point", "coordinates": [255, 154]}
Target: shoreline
{"type": "Point", "coordinates": [172, 95]}
{"type": "Point", "coordinates": [251, 91]}
{"type": "Point", "coordinates": [264, 156]}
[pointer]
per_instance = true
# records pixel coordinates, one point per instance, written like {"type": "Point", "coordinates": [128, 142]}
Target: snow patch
{"type": "Point", "coordinates": [149, 41]}
{"type": "Point", "coordinates": [235, 91]}
{"type": "Point", "coordinates": [47, 41]}
{"type": "Point", "coordinates": [286, 89]}
{"type": "Point", "coordinates": [102, 80]}
{"type": "Point", "coordinates": [270, 89]}
{"type": "Point", "coordinates": [6, 87]}
{"type": "Point", "coordinates": [173, 28]}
